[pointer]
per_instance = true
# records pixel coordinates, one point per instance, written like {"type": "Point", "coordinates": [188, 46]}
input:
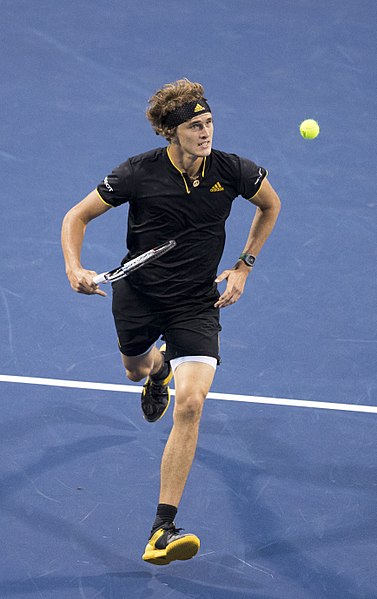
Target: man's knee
{"type": "Point", "coordinates": [189, 406]}
{"type": "Point", "coordinates": [137, 367]}
{"type": "Point", "coordinates": [137, 374]}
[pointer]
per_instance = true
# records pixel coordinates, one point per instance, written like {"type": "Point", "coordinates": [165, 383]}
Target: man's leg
{"type": "Point", "coordinates": [192, 383]}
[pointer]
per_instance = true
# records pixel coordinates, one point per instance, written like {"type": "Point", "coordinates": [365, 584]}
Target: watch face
{"type": "Point", "coordinates": [249, 259]}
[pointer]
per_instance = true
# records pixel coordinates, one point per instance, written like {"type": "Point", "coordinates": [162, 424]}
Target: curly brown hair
{"type": "Point", "coordinates": [168, 98]}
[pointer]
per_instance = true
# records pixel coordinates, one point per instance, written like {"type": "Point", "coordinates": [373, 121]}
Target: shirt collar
{"type": "Point", "coordinates": [178, 170]}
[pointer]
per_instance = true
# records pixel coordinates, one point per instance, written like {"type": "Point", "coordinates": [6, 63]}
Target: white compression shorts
{"type": "Point", "coordinates": [175, 362]}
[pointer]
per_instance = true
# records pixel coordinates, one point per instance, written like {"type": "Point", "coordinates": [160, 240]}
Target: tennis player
{"type": "Point", "coordinates": [184, 192]}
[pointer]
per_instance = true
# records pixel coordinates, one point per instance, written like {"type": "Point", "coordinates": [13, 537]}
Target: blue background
{"type": "Point", "coordinates": [76, 77]}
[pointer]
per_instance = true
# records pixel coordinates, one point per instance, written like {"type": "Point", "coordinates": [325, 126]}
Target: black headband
{"type": "Point", "coordinates": [185, 112]}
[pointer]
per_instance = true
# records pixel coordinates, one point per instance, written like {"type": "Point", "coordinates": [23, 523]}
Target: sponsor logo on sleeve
{"type": "Point", "coordinates": [260, 173]}
{"type": "Point", "coordinates": [107, 184]}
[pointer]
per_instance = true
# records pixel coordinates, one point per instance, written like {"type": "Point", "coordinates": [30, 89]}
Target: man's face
{"type": "Point", "coordinates": [195, 136]}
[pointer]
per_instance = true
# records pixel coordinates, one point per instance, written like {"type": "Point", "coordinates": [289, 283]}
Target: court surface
{"type": "Point", "coordinates": [283, 490]}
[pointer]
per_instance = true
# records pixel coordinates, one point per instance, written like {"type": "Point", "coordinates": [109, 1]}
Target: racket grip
{"type": "Point", "coordinates": [99, 278]}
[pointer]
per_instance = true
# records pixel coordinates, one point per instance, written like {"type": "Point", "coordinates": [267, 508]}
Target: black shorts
{"type": "Point", "coordinates": [189, 329]}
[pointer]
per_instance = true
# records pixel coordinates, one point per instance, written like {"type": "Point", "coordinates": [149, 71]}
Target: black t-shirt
{"type": "Point", "coordinates": [164, 204]}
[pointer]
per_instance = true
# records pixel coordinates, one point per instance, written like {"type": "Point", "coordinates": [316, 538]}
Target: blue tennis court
{"type": "Point", "coordinates": [283, 489]}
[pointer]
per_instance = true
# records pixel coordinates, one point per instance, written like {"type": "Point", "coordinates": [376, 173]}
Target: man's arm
{"type": "Point", "coordinates": [73, 232]}
{"type": "Point", "coordinates": [268, 208]}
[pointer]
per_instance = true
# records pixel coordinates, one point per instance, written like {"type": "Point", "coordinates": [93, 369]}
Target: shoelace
{"type": "Point", "coordinates": [173, 529]}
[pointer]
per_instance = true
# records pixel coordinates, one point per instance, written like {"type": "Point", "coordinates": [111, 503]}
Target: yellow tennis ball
{"type": "Point", "coordinates": [309, 129]}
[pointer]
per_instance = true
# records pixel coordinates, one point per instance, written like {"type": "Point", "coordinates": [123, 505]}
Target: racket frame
{"type": "Point", "coordinates": [129, 267]}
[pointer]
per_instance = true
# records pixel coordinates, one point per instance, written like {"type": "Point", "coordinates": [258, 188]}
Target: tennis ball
{"type": "Point", "coordinates": [309, 129]}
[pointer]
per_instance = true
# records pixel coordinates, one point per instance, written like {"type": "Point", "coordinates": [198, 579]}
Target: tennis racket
{"type": "Point", "coordinates": [134, 264]}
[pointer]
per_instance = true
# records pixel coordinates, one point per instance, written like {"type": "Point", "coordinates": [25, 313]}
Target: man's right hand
{"type": "Point", "coordinates": [81, 280]}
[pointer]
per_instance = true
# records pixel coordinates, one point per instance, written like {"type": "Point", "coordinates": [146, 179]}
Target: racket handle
{"type": "Point", "coordinates": [99, 278]}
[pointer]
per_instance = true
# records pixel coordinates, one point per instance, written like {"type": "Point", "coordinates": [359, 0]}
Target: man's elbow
{"type": "Point", "coordinates": [273, 206]}
{"type": "Point", "coordinates": [276, 204]}
{"type": "Point", "coordinates": [73, 216]}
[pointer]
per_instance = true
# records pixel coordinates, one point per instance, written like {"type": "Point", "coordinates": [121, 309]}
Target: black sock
{"type": "Point", "coordinates": [165, 515]}
{"type": "Point", "coordinates": [161, 374]}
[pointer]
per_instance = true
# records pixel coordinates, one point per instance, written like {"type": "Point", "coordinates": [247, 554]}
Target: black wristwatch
{"type": "Point", "coordinates": [248, 259]}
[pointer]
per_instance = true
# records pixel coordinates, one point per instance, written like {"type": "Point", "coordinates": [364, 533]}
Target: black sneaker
{"type": "Point", "coordinates": [167, 545]}
{"type": "Point", "coordinates": [155, 397]}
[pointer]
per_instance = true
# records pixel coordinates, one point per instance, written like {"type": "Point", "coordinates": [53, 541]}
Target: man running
{"type": "Point", "coordinates": [184, 192]}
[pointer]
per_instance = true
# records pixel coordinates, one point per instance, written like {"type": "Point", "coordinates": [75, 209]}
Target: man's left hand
{"type": "Point", "coordinates": [236, 279]}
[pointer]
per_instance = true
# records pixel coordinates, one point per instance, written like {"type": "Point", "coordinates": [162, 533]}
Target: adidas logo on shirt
{"type": "Point", "coordinates": [217, 187]}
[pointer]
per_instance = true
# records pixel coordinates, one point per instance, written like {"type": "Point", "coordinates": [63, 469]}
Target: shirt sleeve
{"type": "Point", "coordinates": [251, 179]}
{"type": "Point", "coordinates": [117, 188]}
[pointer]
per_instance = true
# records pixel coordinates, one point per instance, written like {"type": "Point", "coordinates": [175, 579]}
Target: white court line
{"type": "Point", "coordinates": [274, 401]}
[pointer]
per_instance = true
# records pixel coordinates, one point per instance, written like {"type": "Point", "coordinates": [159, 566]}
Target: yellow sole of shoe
{"type": "Point", "coordinates": [182, 549]}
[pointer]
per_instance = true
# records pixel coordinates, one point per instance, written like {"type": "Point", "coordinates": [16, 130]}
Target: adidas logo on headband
{"type": "Point", "coordinates": [199, 108]}
{"type": "Point", "coordinates": [185, 112]}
